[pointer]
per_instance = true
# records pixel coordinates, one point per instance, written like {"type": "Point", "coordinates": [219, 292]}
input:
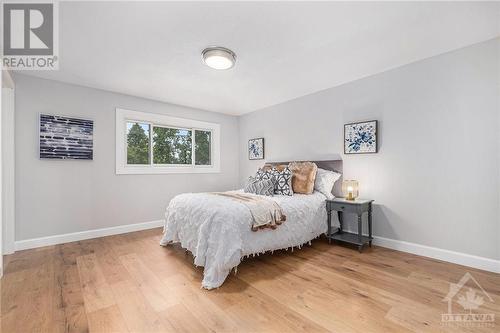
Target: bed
{"type": "Point", "coordinates": [216, 229]}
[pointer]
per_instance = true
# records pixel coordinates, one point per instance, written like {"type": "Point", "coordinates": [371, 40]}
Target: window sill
{"type": "Point", "coordinates": [158, 170]}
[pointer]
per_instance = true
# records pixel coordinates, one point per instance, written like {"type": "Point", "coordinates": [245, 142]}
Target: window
{"type": "Point", "coordinates": [137, 143]}
{"type": "Point", "coordinates": [154, 143]}
{"type": "Point", "coordinates": [172, 145]}
{"type": "Point", "coordinates": [202, 147]}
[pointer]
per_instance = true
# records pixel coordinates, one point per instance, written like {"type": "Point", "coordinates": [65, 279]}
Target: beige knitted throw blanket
{"type": "Point", "coordinates": [265, 213]}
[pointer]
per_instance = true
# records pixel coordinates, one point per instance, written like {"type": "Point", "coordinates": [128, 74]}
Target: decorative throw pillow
{"type": "Point", "coordinates": [266, 167]}
{"type": "Point", "coordinates": [261, 187]}
{"type": "Point", "coordinates": [264, 174]}
{"type": "Point", "coordinates": [282, 181]}
{"type": "Point", "coordinates": [324, 182]}
{"type": "Point", "coordinates": [304, 174]}
{"type": "Point", "coordinates": [279, 167]}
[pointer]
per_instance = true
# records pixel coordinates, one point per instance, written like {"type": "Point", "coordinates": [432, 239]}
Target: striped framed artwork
{"type": "Point", "coordinates": [66, 138]}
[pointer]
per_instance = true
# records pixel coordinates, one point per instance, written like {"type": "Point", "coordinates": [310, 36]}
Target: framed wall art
{"type": "Point", "coordinates": [256, 149]}
{"type": "Point", "coordinates": [66, 138]}
{"type": "Point", "coordinates": [361, 138]}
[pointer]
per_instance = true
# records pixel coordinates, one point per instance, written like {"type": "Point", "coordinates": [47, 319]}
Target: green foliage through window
{"type": "Point", "coordinates": [137, 143]}
{"type": "Point", "coordinates": [172, 146]}
{"type": "Point", "coordinates": [202, 141]}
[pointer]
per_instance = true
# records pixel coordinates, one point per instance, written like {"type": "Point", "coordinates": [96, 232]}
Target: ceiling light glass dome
{"type": "Point", "coordinates": [218, 57]}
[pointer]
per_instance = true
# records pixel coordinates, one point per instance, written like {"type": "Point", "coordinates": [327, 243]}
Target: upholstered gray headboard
{"type": "Point", "coordinates": [332, 165]}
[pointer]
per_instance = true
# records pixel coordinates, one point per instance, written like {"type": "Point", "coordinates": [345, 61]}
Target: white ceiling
{"type": "Point", "coordinates": [284, 50]}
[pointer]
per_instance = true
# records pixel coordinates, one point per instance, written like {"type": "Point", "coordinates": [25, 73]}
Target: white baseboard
{"type": "Point", "coordinates": [9, 248]}
{"type": "Point", "coordinates": [82, 235]}
{"type": "Point", "coordinates": [460, 258]}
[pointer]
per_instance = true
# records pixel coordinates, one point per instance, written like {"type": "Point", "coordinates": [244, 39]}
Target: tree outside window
{"type": "Point", "coordinates": [203, 143]}
{"type": "Point", "coordinates": [171, 146]}
{"type": "Point", "coordinates": [137, 143]}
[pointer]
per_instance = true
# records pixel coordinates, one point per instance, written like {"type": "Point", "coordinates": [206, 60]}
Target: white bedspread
{"type": "Point", "coordinates": [217, 229]}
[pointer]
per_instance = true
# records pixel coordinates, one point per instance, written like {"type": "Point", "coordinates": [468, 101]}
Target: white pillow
{"type": "Point", "coordinates": [324, 182]}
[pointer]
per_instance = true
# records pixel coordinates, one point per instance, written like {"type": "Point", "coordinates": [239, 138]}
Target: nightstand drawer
{"type": "Point", "coordinates": [344, 207]}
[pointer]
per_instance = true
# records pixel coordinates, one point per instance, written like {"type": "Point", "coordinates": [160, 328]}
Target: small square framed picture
{"type": "Point", "coordinates": [361, 138]}
{"type": "Point", "coordinates": [256, 149]}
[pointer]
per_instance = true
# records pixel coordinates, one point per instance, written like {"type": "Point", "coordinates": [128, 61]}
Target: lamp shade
{"type": "Point", "coordinates": [350, 189]}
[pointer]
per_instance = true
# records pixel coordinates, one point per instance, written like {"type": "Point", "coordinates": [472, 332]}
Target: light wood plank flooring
{"type": "Point", "coordinates": [128, 283]}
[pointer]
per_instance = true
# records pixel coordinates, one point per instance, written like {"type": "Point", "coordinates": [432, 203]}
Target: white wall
{"type": "Point", "coordinates": [1, 184]}
{"type": "Point", "coordinates": [436, 178]}
{"type": "Point", "coordinates": [58, 197]}
{"type": "Point", "coordinates": [498, 114]}
{"type": "Point", "coordinates": [8, 163]}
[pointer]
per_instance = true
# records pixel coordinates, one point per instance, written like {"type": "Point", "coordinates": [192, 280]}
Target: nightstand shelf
{"type": "Point", "coordinates": [351, 238]}
{"type": "Point", "coordinates": [358, 207]}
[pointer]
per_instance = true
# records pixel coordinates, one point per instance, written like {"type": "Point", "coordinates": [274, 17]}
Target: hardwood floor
{"type": "Point", "coordinates": [128, 283]}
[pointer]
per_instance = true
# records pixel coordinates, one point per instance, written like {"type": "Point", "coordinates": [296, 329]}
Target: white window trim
{"type": "Point", "coordinates": [122, 168]}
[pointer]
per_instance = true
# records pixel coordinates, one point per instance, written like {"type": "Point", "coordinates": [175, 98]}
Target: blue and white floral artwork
{"type": "Point", "coordinates": [256, 149]}
{"type": "Point", "coordinates": [360, 138]}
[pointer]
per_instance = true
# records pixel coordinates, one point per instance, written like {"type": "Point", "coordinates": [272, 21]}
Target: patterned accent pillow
{"type": "Point", "coordinates": [264, 174]}
{"type": "Point", "coordinates": [261, 187]}
{"type": "Point", "coordinates": [283, 181]}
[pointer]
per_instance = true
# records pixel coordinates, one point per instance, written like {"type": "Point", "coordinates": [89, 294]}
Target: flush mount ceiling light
{"type": "Point", "coordinates": [218, 57]}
